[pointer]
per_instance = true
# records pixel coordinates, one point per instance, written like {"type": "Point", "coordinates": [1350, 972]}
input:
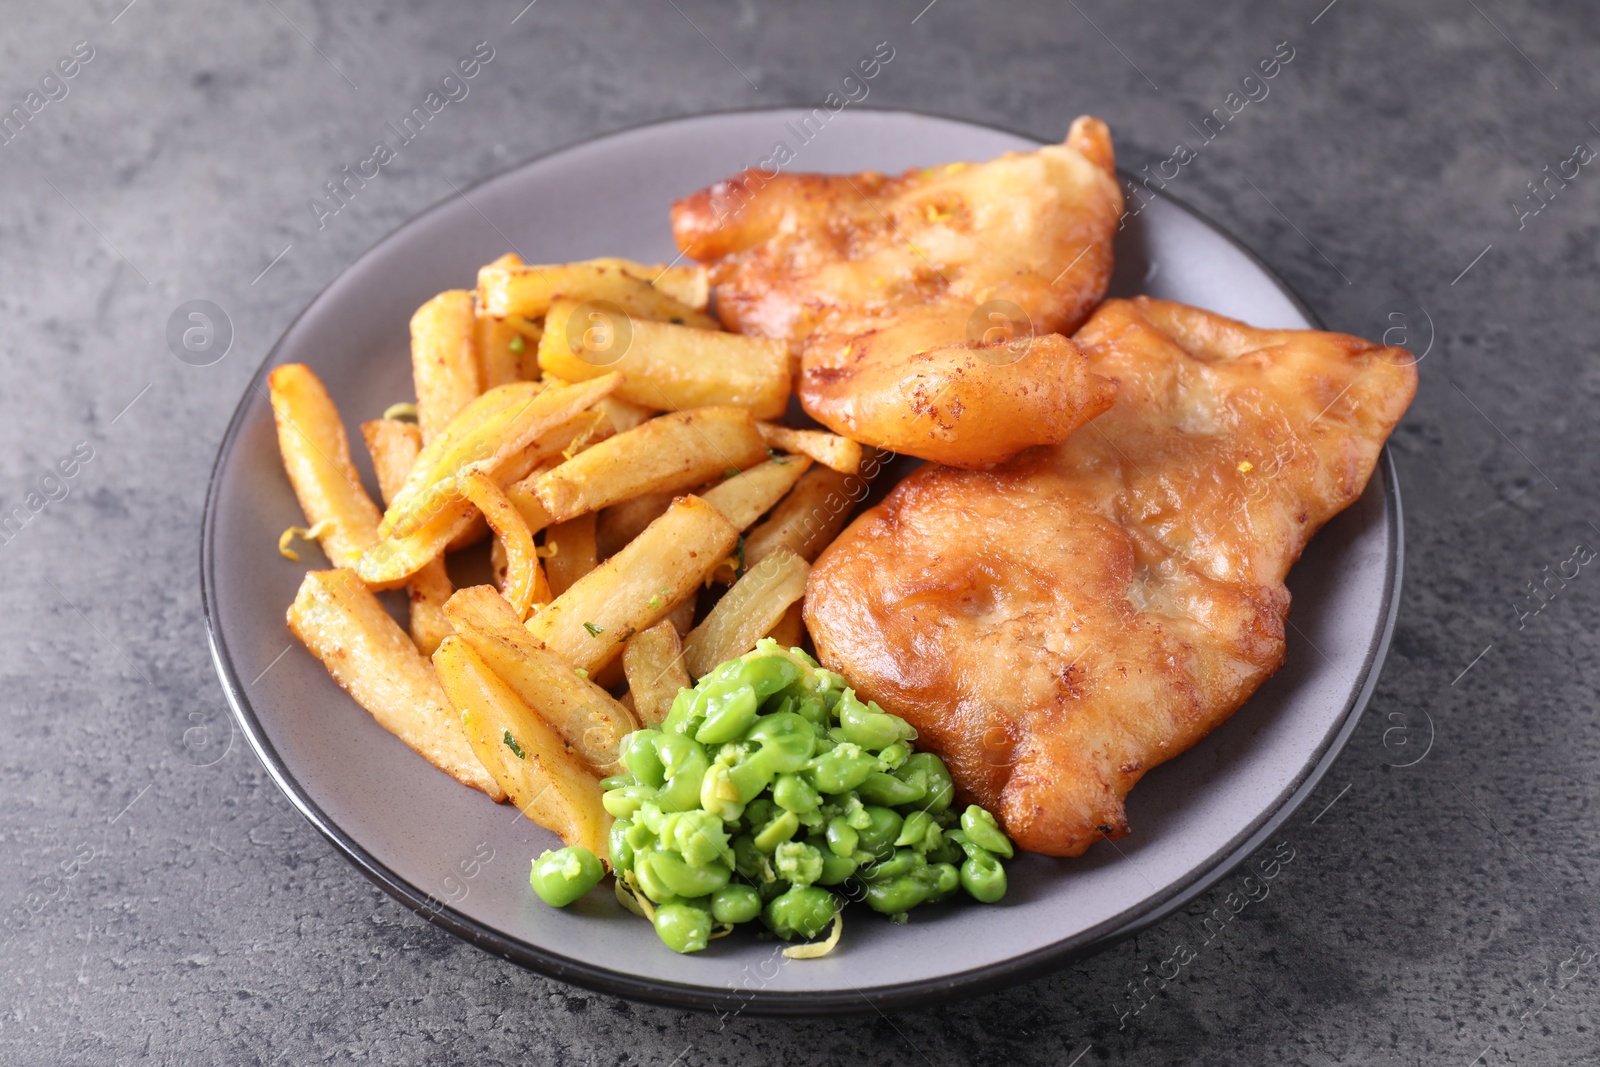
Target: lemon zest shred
{"type": "Point", "coordinates": [315, 533]}
{"type": "Point", "coordinates": [402, 410]}
{"type": "Point", "coordinates": [632, 898]}
{"type": "Point", "coordinates": [546, 551]}
{"type": "Point", "coordinates": [818, 949]}
{"type": "Point", "coordinates": [722, 930]}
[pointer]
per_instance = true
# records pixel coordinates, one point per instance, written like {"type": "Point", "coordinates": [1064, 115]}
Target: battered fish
{"type": "Point", "coordinates": [1057, 626]}
{"type": "Point", "coordinates": [926, 309]}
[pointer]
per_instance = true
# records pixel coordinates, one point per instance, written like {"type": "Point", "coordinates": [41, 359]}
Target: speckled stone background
{"type": "Point", "coordinates": [162, 901]}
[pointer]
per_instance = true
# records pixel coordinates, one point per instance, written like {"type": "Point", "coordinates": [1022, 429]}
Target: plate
{"type": "Point", "coordinates": [458, 859]}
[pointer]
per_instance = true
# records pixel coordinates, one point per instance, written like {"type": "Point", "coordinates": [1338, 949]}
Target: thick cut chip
{"type": "Point", "coordinates": [530, 290]}
{"type": "Point", "coordinates": [747, 612]}
{"type": "Point", "coordinates": [444, 360]}
{"type": "Point", "coordinates": [394, 446]}
{"type": "Point", "coordinates": [570, 552]}
{"type": "Point", "coordinates": [653, 662]}
{"type": "Point", "coordinates": [344, 626]}
{"type": "Point", "coordinates": [544, 778]}
{"type": "Point", "coordinates": [673, 452]}
{"type": "Point", "coordinates": [525, 583]}
{"type": "Point", "coordinates": [830, 450]}
{"type": "Point", "coordinates": [582, 712]}
{"type": "Point", "coordinates": [1059, 625]}
{"type": "Point", "coordinates": [316, 456]}
{"type": "Point", "coordinates": [636, 588]}
{"type": "Point", "coordinates": [747, 496]}
{"type": "Point", "coordinates": [665, 366]}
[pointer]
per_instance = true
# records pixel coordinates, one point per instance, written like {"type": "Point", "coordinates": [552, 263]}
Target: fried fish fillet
{"type": "Point", "coordinates": [1060, 624]}
{"type": "Point", "coordinates": [926, 309]}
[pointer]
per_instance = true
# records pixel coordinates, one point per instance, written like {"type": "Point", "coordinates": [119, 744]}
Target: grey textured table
{"type": "Point", "coordinates": [163, 901]}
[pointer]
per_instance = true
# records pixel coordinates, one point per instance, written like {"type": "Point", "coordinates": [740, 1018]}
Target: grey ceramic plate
{"type": "Point", "coordinates": [463, 862]}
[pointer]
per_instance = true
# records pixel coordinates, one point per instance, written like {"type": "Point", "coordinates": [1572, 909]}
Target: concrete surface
{"type": "Point", "coordinates": [163, 901]}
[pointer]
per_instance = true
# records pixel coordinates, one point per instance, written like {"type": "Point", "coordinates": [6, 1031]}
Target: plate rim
{"type": "Point", "coordinates": [921, 993]}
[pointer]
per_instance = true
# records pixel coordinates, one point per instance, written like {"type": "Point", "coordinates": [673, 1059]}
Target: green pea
{"type": "Point", "coordinates": [930, 772]}
{"type": "Point", "coordinates": [639, 755]}
{"type": "Point", "coordinates": [683, 927]}
{"type": "Point", "coordinates": [751, 777]}
{"type": "Point", "coordinates": [903, 862]}
{"type": "Point", "coordinates": [983, 877]}
{"type": "Point", "coordinates": [617, 840]}
{"type": "Point", "coordinates": [684, 879]}
{"type": "Point", "coordinates": [625, 802]}
{"type": "Point", "coordinates": [735, 903]}
{"type": "Point", "coordinates": [842, 837]}
{"type": "Point", "coordinates": [895, 895]}
{"type": "Point", "coordinates": [946, 879]}
{"type": "Point", "coordinates": [982, 830]}
{"type": "Point", "coordinates": [803, 912]}
{"type": "Point", "coordinates": [698, 836]}
{"type": "Point", "coordinates": [644, 871]}
{"type": "Point", "coordinates": [889, 791]}
{"type": "Point", "coordinates": [793, 793]}
{"type": "Point", "coordinates": [946, 851]}
{"type": "Point", "coordinates": [750, 861]}
{"type": "Point", "coordinates": [840, 769]}
{"type": "Point", "coordinates": [869, 726]}
{"type": "Point", "coordinates": [812, 709]}
{"type": "Point", "coordinates": [797, 862]}
{"type": "Point", "coordinates": [919, 832]}
{"type": "Point", "coordinates": [878, 837]}
{"type": "Point", "coordinates": [564, 875]}
{"type": "Point", "coordinates": [685, 763]}
{"type": "Point", "coordinates": [618, 781]}
{"type": "Point", "coordinates": [776, 832]}
{"type": "Point", "coordinates": [892, 757]}
{"type": "Point", "coordinates": [770, 674]}
{"type": "Point", "coordinates": [836, 869]}
{"type": "Point", "coordinates": [728, 718]}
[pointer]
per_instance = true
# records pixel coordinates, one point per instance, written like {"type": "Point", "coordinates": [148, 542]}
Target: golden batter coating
{"type": "Point", "coordinates": [925, 309]}
{"type": "Point", "coordinates": [1060, 624]}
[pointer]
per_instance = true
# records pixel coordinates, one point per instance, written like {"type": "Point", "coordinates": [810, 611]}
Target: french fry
{"type": "Point", "coordinates": [624, 415]}
{"type": "Point", "coordinates": [689, 284]}
{"type": "Point", "coordinates": [682, 616]}
{"type": "Point", "coordinates": [525, 755]}
{"type": "Point", "coordinates": [811, 516]}
{"type": "Point", "coordinates": [580, 710]}
{"type": "Point", "coordinates": [747, 612]}
{"type": "Point", "coordinates": [507, 259]}
{"type": "Point", "coordinates": [500, 347]}
{"type": "Point", "coordinates": [444, 360]}
{"type": "Point", "coordinates": [791, 629]}
{"type": "Point", "coordinates": [653, 662]}
{"type": "Point", "coordinates": [623, 521]}
{"type": "Point", "coordinates": [747, 496]}
{"type": "Point", "coordinates": [571, 552]}
{"type": "Point", "coordinates": [367, 653]}
{"type": "Point", "coordinates": [529, 291]}
{"type": "Point", "coordinates": [665, 366]}
{"type": "Point", "coordinates": [675, 451]}
{"type": "Point", "coordinates": [636, 588]}
{"type": "Point", "coordinates": [494, 433]}
{"type": "Point", "coordinates": [316, 456]}
{"type": "Point", "coordinates": [525, 583]}
{"type": "Point", "coordinates": [828, 449]}
{"type": "Point", "coordinates": [394, 446]}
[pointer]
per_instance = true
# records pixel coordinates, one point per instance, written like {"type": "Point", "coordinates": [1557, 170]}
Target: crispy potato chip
{"type": "Point", "coordinates": [444, 360]}
{"type": "Point", "coordinates": [747, 496]}
{"type": "Point", "coordinates": [529, 291]}
{"type": "Point", "coordinates": [653, 662]}
{"type": "Point", "coordinates": [635, 589]}
{"type": "Point", "coordinates": [394, 446]}
{"type": "Point", "coordinates": [580, 710]}
{"type": "Point", "coordinates": [668, 367]}
{"type": "Point", "coordinates": [747, 612]}
{"type": "Point", "coordinates": [493, 435]}
{"type": "Point", "coordinates": [544, 778]}
{"type": "Point", "coordinates": [570, 552]}
{"type": "Point", "coordinates": [525, 583]}
{"type": "Point", "coordinates": [675, 451]}
{"type": "Point", "coordinates": [830, 450]}
{"type": "Point", "coordinates": [316, 456]}
{"type": "Point", "coordinates": [367, 653]}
